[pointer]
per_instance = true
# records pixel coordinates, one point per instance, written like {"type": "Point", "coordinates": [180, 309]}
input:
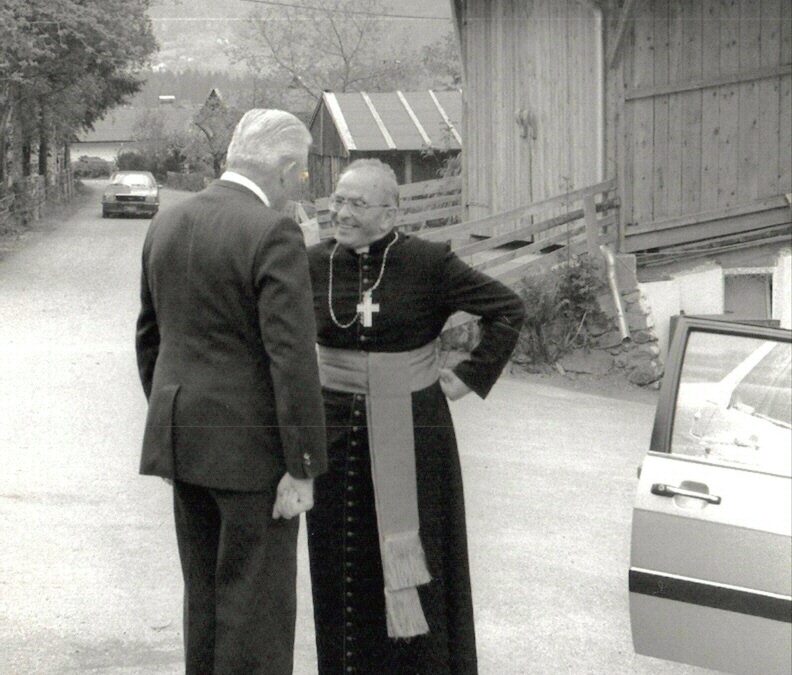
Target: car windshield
{"type": "Point", "coordinates": [765, 390]}
{"type": "Point", "coordinates": [734, 402]}
{"type": "Point", "coordinates": [133, 180]}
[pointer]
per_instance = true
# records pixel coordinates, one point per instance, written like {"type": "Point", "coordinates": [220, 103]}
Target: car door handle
{"type": "Point", "coordinates": [663, 490]}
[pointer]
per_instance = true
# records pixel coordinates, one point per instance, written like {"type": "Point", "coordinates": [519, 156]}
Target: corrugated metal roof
{"type": "Point", "coordinates": [396, 120]}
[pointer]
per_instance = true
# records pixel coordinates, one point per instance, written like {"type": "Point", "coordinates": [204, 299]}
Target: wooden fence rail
{"type": "Point", "coordinates": [589, 219]}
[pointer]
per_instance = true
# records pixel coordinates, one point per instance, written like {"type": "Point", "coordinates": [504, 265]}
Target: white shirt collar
{"type": "Point", "coordinates": [244, 181]}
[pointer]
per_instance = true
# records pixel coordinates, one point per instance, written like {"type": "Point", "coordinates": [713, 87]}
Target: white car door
{"type": "Point", "coordinates": [711, 558]}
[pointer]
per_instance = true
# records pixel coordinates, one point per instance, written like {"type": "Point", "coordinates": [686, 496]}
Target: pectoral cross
{"type": "Point", "coordinates": [367, 309]}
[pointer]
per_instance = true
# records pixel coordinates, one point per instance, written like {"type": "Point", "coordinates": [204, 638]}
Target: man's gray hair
{"type": "Point", "coordinates": [390, 183]}
{"type": "Point", "coordinates": [263, 139]}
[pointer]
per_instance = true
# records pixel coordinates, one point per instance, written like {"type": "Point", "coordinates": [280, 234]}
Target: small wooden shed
{"type": "Point", "coordinates": [414, 132]}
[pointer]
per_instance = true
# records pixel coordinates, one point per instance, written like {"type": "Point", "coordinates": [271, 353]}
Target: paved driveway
{"type": "Point", "coordinates": [89, 577]}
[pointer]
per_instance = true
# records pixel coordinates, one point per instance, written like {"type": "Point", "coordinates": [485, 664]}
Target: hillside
{"type": "Point", "coordinates": [193, 33]}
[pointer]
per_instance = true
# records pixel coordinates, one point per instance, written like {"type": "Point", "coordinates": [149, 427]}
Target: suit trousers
{"type": "Point", "coordinates": [240, 569]}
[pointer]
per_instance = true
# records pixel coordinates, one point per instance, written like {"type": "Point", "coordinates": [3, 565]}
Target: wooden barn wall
{"type": "Point", "coordinates": [713, 145]}
{"type": "Point", "coordinates": [534, 60]}
{"type": "Point", "coordinates": [327, 156]}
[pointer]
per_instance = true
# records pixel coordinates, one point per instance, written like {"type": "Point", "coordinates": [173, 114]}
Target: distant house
{"type": "Point", "coordinates": [115, 132]}
{"type": "Point", "coordinates": [686, 105]}
{"type": "Point", "coordinates": [414, 132]}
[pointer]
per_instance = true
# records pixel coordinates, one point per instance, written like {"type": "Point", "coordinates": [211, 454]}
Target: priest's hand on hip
{"type": "Point", "coordinates": [452, 386]}
{"type": "Point", "coordinates": [294, 496]}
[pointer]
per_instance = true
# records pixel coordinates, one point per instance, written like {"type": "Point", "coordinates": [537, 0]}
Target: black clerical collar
{"type": "Point", "coordinates": [377, 246]}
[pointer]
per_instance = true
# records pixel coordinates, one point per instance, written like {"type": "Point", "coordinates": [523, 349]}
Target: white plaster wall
{"type": "Point", "coordinates": [701, 291]}
{"type": "Point", "coordinates": [782, 290]}
{"type": "Point", "coordinates": [663, 300]}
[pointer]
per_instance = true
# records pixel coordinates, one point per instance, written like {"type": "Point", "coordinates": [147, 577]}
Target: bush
{"type": "Point", "coordinates": [560, 305]}
{"type": "Point", "coordinates": [91, 167]}
{"type": "Point", "coordinates": [158, 164]}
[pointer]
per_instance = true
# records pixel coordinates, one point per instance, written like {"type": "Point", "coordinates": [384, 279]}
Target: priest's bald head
{"type": "Point", "coordinates": [365, 204]}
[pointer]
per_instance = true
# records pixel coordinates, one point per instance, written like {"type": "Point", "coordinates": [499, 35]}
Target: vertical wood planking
{"type": "Point", "coordinates": [537, 30]}
{"type": "Point", "coordinates": [728, 101]}
{"type": "Point", "coordinates": [692, 56]}
{"type": "Point", "coordinates": [677, 71]}
{"type": "Point", "coordinates": [660, 167]}
{"type": "Point", "coordinates": [493, 48]}
{"type": "Point", "coordinates": [748, 131]}
{"type": "Point", "coordinates": [785, 103]}
{"type": "Point", "coordinates": [643, 113]}
{"type": "Point", "coordinates": [710, 111]}
{"type": "Point", "coordinates": [768, 94]}
{"type": "Point", "coordinates": [621, 121]}
{"type": "Point", "coordinates": [527, 145]}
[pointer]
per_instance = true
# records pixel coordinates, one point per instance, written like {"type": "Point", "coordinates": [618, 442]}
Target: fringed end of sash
{"type": "Point", "coordinates": [405, 616]}
{"type": "Point", "coordinates": [403, 561]}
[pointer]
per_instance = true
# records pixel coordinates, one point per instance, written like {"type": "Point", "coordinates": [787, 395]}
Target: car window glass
{"type": "Point", "coordinates": [133, 180]}
{"type": "Point", "coordinates": [734, 403]}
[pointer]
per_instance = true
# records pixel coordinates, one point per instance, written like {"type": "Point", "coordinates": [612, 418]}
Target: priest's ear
{"type": "Point", "coordinates": [390, 217]}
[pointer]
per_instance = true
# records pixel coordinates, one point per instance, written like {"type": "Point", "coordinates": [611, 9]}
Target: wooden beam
{"type": "Point", "coordinates": [707, 83]}
{"type": "Point", "coordinates": [416, 122]}
{"type": "Point", "coordinates": [708, 230]}
{"type": "Point", "coordinates": [339, 120]}
{"type": "Point", "coordinates": [592, 228]}
{"type": "Point", "coordinates": [757, 206]}
{"type": "Point", "coordinates": [378, 121]}
{"type": "Point", "coordinates": [625, 17]}
{"type": "Point", "coordinates": [446, 118]}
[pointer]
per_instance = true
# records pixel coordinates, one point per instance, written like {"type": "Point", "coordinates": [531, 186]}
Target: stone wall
{"type": "Point", "coordinates": [639, 356]}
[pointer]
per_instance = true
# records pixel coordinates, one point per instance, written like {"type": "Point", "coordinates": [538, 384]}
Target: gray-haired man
{"type": "Point", "coordinates": [225, 346]}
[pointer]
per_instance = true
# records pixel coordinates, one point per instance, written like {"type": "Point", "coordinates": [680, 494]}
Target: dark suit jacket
{"type": "Point", "coordinates": [225, 345]}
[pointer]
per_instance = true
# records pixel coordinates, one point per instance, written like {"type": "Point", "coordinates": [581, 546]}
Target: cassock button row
{"type": "Point", "coordinates": [350, 503]}
{"type": "Point", "coordinates": [348, 564]}
{"type": "Point", "coordinates": [349, 580]}
{"type": "Point", "coordinates": [355, 428]}
{"type": "Point", "coordinates": [363, 338]}
{"type": "Point", "coordinates": [357, 413]}
{"type": "Point", "coordinates": [350, 488]}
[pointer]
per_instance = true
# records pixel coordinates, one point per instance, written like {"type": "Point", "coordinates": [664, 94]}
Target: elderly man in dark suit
{"type": "Point", "coordinates": [225, 347]}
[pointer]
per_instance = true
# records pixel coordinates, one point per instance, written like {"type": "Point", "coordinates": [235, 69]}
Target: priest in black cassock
{"type": "Point", "coordinates": [387, 540]}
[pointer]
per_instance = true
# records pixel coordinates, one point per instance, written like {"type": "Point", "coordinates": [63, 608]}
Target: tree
{"type": "Point", "coordinates": [217, 122]}
{"type": "Point", "coordinates": [67, 61]}
{"type": "Point", "coordinates": [339, 46]}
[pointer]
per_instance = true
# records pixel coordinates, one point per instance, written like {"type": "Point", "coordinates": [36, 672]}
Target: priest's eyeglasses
{"type": "Point", "coordinates": [354, 203]}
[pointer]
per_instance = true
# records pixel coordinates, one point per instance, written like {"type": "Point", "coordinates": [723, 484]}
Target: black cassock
{"type": "Point", "coordinates": [422, 284]}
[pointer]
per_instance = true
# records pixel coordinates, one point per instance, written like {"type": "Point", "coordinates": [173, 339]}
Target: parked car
{"type": "Point", "coordinates": [131, 192]}
{"type": "Point", "coordinates": [710, 576]}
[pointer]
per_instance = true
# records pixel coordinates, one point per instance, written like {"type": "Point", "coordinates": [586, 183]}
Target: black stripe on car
{"type": "Point", "coordinates": [707, 594]}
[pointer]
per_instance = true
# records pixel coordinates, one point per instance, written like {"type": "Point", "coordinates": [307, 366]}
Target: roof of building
{"type": "Point", "coordinates": [119, 123]}
{"type": "Point", "coordinates": [396, 120]}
